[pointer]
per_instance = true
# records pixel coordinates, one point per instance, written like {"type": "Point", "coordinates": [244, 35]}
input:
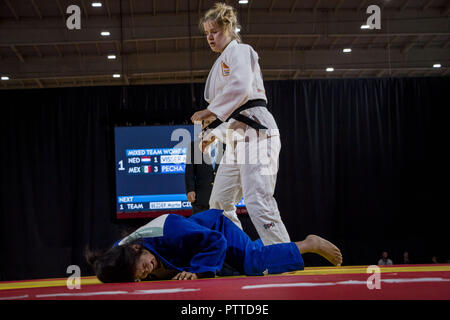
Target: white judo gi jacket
{"type": "Point", "coordinates": [234, 79]}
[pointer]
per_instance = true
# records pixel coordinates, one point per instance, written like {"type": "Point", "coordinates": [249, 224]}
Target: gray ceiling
{"type": "Point", "coordinates": [153, 42]}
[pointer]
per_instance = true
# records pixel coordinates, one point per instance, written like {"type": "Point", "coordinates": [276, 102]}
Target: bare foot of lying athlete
{"type": "Point", "coordinates": [320, 246]}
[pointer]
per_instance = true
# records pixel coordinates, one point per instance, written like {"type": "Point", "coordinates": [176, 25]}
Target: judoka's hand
{"type": "Point", "coordinates": [191, 196]}
{"type": "Point", "coordinates": [202, 115]}
{"type": "Point", "coordinates": [205, 143]}
{"type": "Point", "coordinates": [184, 275]}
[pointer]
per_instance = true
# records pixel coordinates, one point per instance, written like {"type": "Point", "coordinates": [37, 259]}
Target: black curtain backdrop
{"type": "Point", "coordinates": [363, 164]}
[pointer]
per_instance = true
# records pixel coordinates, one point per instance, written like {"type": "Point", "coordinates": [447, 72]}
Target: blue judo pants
{"type": "Point", "coordinates": [250, 257]}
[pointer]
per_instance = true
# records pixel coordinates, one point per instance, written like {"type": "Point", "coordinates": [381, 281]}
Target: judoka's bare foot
{"type": "Point", "coordinates": [320, 246]}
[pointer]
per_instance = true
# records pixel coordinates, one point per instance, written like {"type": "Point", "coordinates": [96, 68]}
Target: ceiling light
{"type": "Point", "coordinates": [330, 69]}
{"type": "Point", "coordinates": [437, 65]}
{"type": "Point", "coordinates": [365, 26]}
{"type": "Point", "coordinates": [243, 1]}
{"type": "Point", "coordinates": [116, 75]}
{"type": "Point", "coordinates": [346, 50]}
{"type": "Point", "coordinates": [96, 4]}
{"type": "Point", "coordinates": [111, 56]}
{"type": "Point", "coordinates": [5, 78]}
{"type": "Point", "coordinates": [105, 33]}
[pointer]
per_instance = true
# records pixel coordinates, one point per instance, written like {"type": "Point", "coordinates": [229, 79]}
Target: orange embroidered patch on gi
{"type": "Point", "coordinates": [225, 69]}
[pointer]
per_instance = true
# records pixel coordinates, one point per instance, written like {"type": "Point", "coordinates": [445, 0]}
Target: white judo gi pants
{"type": "Point", "coordinates": [254, 179]}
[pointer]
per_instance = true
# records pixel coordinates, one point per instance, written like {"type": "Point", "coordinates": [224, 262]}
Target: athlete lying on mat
{"type": "Point", "coordinates": [175, 247]}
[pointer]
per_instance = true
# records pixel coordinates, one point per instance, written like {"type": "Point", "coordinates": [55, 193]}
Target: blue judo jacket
{"type": "Point", "coordinates": [193, 244]}
{"type": "Point", "coordinates": [200, 244]}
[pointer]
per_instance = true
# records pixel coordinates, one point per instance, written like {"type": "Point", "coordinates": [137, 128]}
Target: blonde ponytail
{"type": "Point", "coordinates": [225, 16]}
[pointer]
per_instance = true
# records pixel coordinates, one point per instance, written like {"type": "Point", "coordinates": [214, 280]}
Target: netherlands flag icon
{"type": "Point", "coordinates": [147, 169]}
{"type": "Point", "coordinates": [145, 159]}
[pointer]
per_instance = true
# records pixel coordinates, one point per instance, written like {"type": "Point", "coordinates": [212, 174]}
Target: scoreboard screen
{"type": "Point", "coordinates": [150, 164]}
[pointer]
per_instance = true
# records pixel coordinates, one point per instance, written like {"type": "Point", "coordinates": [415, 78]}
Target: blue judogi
{"type": "Point", "coordinates": [204, 241]}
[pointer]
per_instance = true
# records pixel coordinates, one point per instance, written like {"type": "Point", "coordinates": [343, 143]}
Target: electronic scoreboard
{"type": "Point", "coordinates": [150, 165]}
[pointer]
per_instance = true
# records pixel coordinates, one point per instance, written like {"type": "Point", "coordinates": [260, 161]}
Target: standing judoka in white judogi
{"type": "Point", "coordinates": [235, 79]}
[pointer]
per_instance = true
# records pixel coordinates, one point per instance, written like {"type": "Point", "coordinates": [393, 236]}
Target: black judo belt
{"type": "Point", "coordinates": [239, 117]}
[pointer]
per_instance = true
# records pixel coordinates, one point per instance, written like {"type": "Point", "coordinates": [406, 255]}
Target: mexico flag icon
{"type": "Point", "coordinates": [146, 169]}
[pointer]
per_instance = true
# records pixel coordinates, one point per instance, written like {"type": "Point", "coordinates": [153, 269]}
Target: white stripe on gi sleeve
{"type": "Point", "coordinates": [154, 228]}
